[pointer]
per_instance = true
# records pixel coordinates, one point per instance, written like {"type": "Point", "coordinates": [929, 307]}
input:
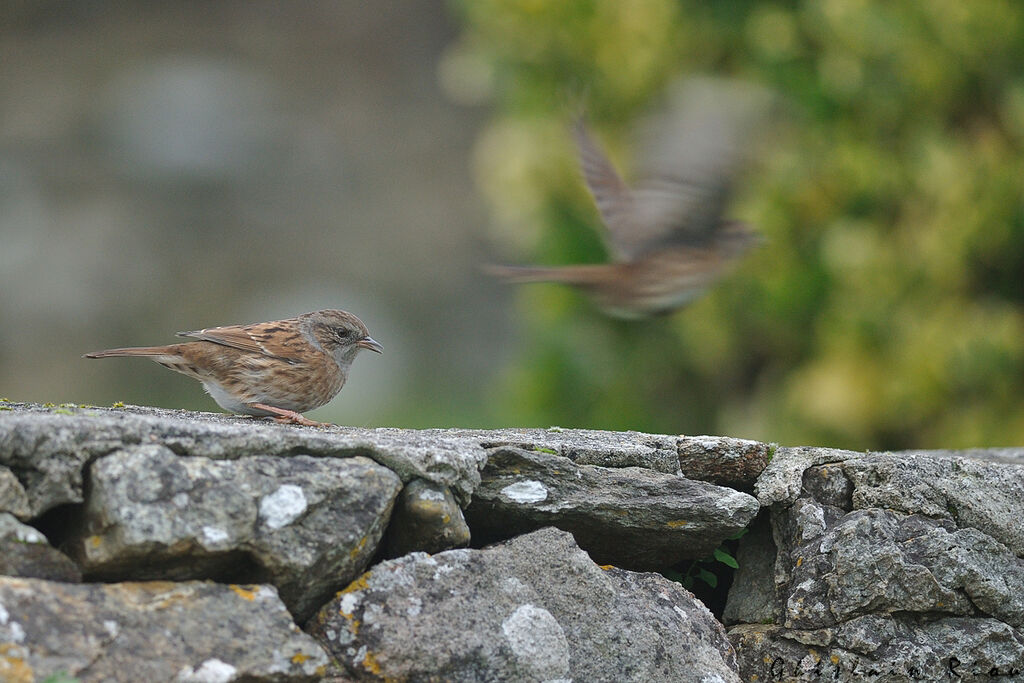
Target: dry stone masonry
{"type": "Point", "coordinates": [144, 544]}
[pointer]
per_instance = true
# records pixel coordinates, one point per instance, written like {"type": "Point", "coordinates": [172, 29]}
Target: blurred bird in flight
{"type": "Point", "coordinates": [667, 236]}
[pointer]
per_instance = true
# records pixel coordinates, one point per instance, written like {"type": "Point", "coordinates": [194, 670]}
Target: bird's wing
{"type": "Point", "coordinates": [611, 195]}
{"type": "Point", "coordinates": [279, 339]}
{"type": "Point", "coordinates": [694, 151]}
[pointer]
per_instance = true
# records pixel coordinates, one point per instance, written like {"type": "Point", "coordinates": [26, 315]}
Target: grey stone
{"type": "Point", "coordinates": [47, 449]}
{"type": "Point", "coordinates": [973, 493]}
{"type": "Point", "coordinates": [883, 648]}
{"type": "Point", "coordinates": [535, 608]}
{"type": "Point", "coordinates": [781, 482]}
{"type": "Point", "coordinates": [310, 525]}
{"type": "Point", "coordinates": [24, 551]}
{"type": "Point", "coordinates": [156, 631]}
{"type": "Point", "coordinates": [13, 498]}
{"type": "Point", "coordinates": [631, 517]}
{"type": "Point", "coordinates": [876, 561]}
{"type": "Point", "coordinates": [736, 463]}
{"type": "Point", "coordinates": [426, 518]}
{"type": "Point", "coordinates": [751, 597]}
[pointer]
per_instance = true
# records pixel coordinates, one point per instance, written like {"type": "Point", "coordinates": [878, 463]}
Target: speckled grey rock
{"type": "Point", "coordinates": [736, 463]}
{"type": "Point", "coordinates": [307, 525]}
{"type": "Point", "coordinates": [426, 518]}
{"type": "Point", "coordinates": [533, 609]}
{"type": "Point", "coordinates": [751, 599]}
{"type": "Point", "coordinates": [157, 631]}
{"type": "Point", "coordinates": [47, 449]}
{"type": "Point", "coordinates": [13, 498]}
{"type": "Point", "coordinates": [890, 566]}
{"type": "Point", "coordinates": [630, 517]}
{"type": "Point", "coordinates": [24, 551]}
{"type": "Point", "coordinates": [883, 648]}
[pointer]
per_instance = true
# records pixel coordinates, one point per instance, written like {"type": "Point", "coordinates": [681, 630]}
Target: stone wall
{"type": "Point", "coordinates": [143, 544]}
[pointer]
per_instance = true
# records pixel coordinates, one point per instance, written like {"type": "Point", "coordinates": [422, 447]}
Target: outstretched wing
{"type": "Point", "coordinates": [611, 195]}
{"type": "Point", "coordinates": [279, 339]}
{"type": "Point", "coordinates": [694, 151]}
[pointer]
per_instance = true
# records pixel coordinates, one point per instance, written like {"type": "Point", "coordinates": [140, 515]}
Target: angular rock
{"type": "Point", "coordinates": [751, 598]}
{"type": "Point", "coordinates": [24, 551]}
{"type": "Point", "coordinates": [309, 525]}
{"type": "Point", "coordinates": [881, 562]}
{"type": "Point", "coordinates": [13, 498]}
{"type": "Point", "coordinates": [155, 631]}
{"type": "Point", "coordinates": [427, 519]}
{"type": "Point", "coordinates": [656, 452]}
{"type": "Point", "coordinates": [534, 608]}
{"type": "Point", "coordinates": [736, 463]}
{"type": "Point", "coordinates": [882, 648]}
{"type": "Point", "coordinates": [47, 450]}
{"type": "Point", "coordinates": [629, 517]}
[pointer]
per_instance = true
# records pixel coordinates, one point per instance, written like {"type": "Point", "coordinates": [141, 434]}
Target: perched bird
{"type": "Point", "coordinates": [277, 369]}
{"type": "Point", "coordinates": [666, 234]}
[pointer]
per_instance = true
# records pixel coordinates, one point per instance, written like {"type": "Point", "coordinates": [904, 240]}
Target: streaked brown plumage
{"type": "Point", "coordinates": [666, 234]}
{"type": "Point", "coordinates": [279, 368]}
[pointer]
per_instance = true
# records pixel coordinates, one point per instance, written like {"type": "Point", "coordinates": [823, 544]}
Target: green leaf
{"type": "Point", "coordinates": [726, 559]}
{"type": "Point", "coordinates": [708, 578]}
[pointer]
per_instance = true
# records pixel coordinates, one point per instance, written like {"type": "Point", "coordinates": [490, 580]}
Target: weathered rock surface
{"type": "Point", "coordinates": [24, 551]}
{"type": "Point", "coordinates": [535, 608]}
{"type": "Point", "coordinates": [310, 525]}
{"type": "Point", "coordinates": [427, 518]}
{"type": "Point", "coordinates": [883, 648]}
{"type": "Point", "coordinates": [630, 517]}
{"type": "Point", "coordinates": [47, 450]}
{"type": "Point", "coordinates": [157, 631]}
{"type": "Point", "coordinates": [888, 566]}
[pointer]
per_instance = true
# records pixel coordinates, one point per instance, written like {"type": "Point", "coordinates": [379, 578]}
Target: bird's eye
{"type": "Point", "coordinates": [342, 333]}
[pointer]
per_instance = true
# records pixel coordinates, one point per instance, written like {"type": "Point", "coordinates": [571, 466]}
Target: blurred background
{"type": "Point", "coordinates": [171, 166]}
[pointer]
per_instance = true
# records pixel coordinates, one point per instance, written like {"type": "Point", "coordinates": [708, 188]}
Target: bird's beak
{"type": "Point", "coordinates": [371, 344]}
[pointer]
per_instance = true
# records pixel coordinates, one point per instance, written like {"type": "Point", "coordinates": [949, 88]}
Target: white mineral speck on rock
{"type": "Point", "coordinates": [349, 601]}
{"type": "Point", "coordinates": [283, 506]}
{"type": "Point", "coordinates": [210, 671]}
{"type": "Point", "coordinates": [180, 500]}
{"type": "Point", "coordinates": [29, 535]}
{"type": "Point", "coordinates": [214, 535]}
{"type": "Point", "coordinates": [529, 491]}
{"type": "Point", "coordinates": [538, 642]}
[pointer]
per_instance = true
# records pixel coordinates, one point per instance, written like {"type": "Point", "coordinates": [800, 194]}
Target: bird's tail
{"type": "Point", "coordinates": [130, 351]}
{"type": "Point", "coordinates": [577, 274]}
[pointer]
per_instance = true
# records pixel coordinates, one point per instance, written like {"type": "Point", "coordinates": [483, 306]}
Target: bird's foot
{"type": "Point", "coordinates": [283, 416]}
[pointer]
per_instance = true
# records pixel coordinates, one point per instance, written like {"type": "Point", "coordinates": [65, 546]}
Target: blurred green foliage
{"type": "Point", "coordinates": [886, 311]}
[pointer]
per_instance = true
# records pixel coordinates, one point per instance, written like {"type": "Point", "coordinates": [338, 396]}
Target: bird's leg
{"type": "Point", "coordinates": [287, 416]}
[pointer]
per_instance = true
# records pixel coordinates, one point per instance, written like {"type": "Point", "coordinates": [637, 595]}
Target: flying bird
{"type": "Point", "coordinates": [667, 236]}
{"type": "Point", "coordinates": [276, 369]}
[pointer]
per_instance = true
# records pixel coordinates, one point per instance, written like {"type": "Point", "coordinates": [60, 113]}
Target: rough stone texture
{"type": "Point", "coordinates": [736, 463]}
{"type": "Point", "coordinates": [48, 449]}
{"type": "Point", "coordinates": [24, 551]}
{"type": "Point", "coordinates": [532, 609]}
{"type": "Point", "coordinates": [751, 599]}
{"type": "Point", "coordinates": [630, 517]}
{"type": "Point", "coordinates": [156, 631]}
{"type": "Point", "coordinates": [883, 648]}
{"type": "Point", "coordinates": [426, 518]}
{"type": "Point", "coordinates": [890, 566]}
{"type": "Point", "coordinates": [310, 525]}
{"type": "Point", "coordinates": [13, 498]}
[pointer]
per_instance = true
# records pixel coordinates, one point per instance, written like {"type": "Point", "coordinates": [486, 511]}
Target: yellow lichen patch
{"type": "Point", "coordinates": [359, 584]}
{"type": "Point", "coordinates": [676, 523]}
{"type": "Point", "coordinates": [13, 666]}
{"type": "Point", "coordinates": [247, 592]}
{"type": "Point", "coordinates": [799, 561]}
{"type": "Point", "coordinates": [358, 548]}
{"type": "Point", "coordinates": [446, 518]}
{"type": "Point", "coordinates": [370, 663]}
{"type": "Point", "coordinates": [95, 541]}
{"type": "Point", "coordinates": [606, 567]}
{"type": "Point", "coordinates": [834, 659]}
{"type": "Point", "coordinates": [299, 658]}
